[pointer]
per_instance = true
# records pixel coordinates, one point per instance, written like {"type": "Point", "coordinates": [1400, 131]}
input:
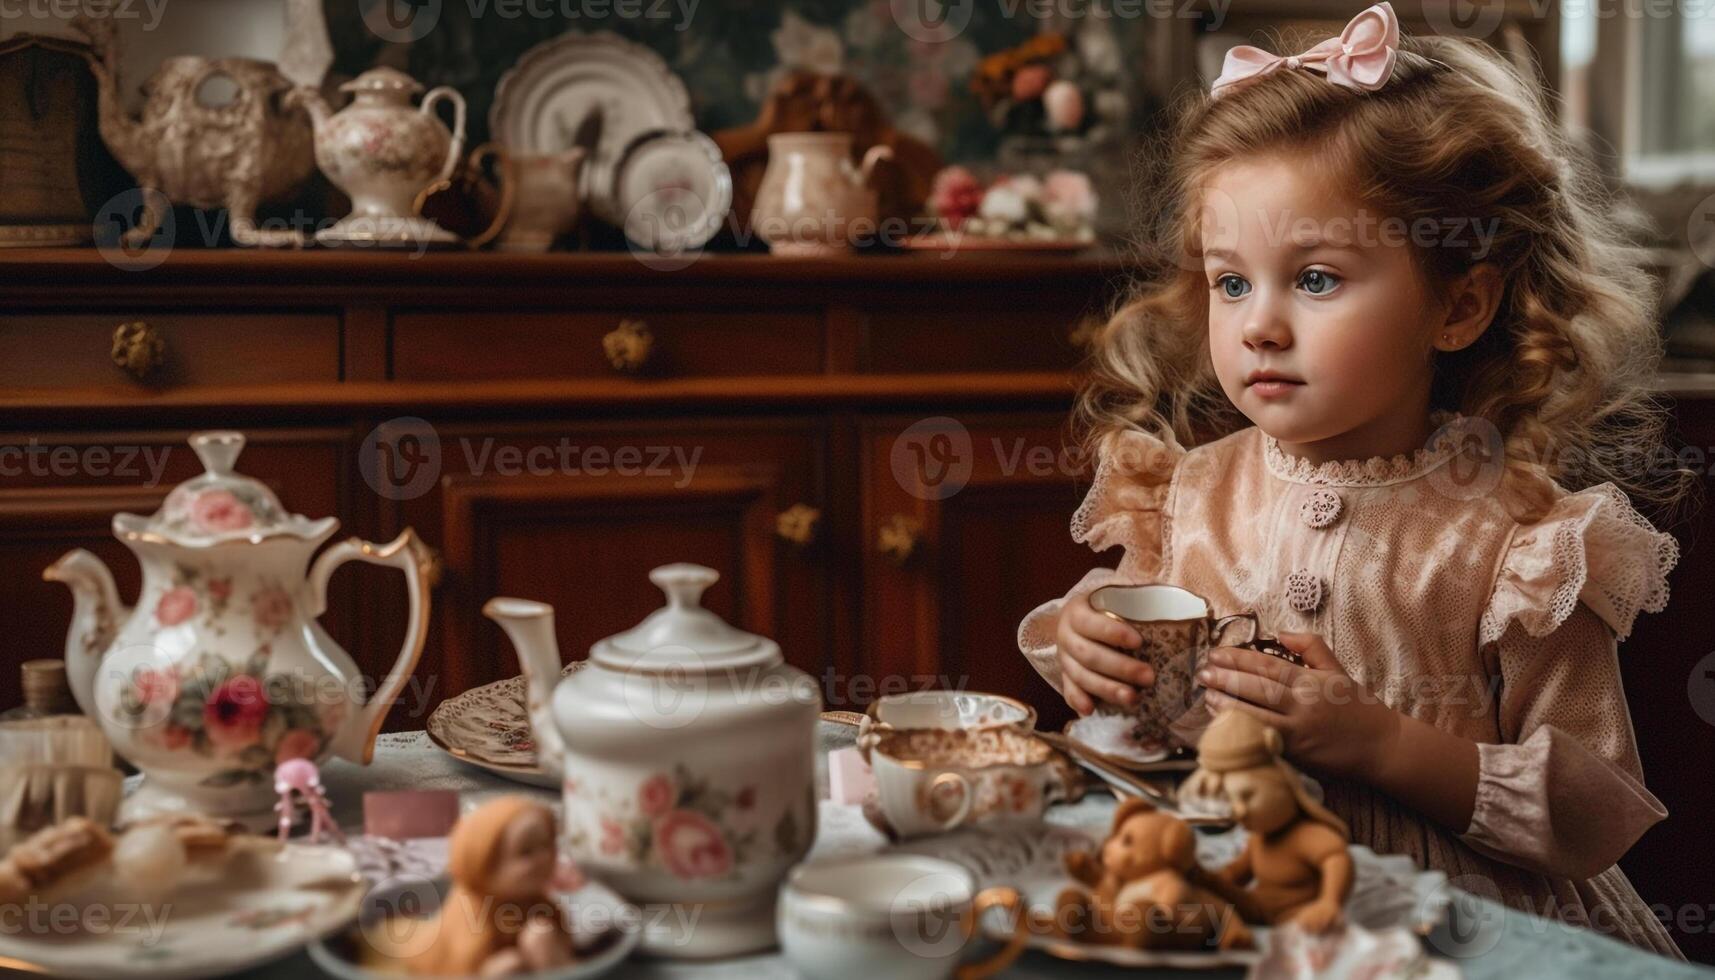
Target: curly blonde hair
{"type": "Point", "coordinates": [1564, 371]}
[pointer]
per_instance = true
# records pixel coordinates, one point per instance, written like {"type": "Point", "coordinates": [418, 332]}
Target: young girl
{"type": "Point", "coordinates": [1382, 253]}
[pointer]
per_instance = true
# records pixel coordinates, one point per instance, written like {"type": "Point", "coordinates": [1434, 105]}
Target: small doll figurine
{"type": "Point", "coordinates": [1146, 889]}
{"type": "Point", "coordinates": [499, 918]}
{"type": "Point", "coordinates": [301, 777]}
{"type": "Point", "coordinates": [1295, 866]}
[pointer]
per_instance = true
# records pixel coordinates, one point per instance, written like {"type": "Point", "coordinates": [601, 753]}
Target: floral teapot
{"type": "Point", "coordinates": [384, 154]}
{"type": "Point", "coordinates": [688, 749]}
{"type": "Point", "coordinates": [221, 671]}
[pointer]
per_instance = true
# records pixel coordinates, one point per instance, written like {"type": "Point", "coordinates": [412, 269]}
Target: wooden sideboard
{"type": "Point", "coordinates": [766, 432]}
{"type": "Point", "coordinates": [800, 426]}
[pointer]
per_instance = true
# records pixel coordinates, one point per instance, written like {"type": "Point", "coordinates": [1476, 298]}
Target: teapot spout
{"type": "Point", "coordinates": [530, 626]}
{"type": "Point", "coordinates": [96, 615]}
{"type": "Point", "coordinates": [310, 99]}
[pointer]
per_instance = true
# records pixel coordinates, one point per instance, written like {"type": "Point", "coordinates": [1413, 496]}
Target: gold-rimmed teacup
{"type": "Point", "coordinates": [931, 780]}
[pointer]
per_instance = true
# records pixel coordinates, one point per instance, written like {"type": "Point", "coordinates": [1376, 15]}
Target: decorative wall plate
{"type": "Point", "coordinates": [672, 190]}
{"type": "Point", "coordinates": [269, 900]}
{"type": "Point", "coordinates": [598, 91]}
{"type": "Point", "coordinates": [489, 727]}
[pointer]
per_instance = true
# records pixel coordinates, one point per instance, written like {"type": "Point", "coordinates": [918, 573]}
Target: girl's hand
{"type": "Point", "coordinates": [1329, 722]}
{"type": "Point", "coordinates": [1091, 664]}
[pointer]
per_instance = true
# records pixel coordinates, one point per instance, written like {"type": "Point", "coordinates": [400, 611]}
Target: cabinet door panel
{"type": "Point", "coordinates": [585, 539]}
{"type": "Point", "coordinates": [990, 507]}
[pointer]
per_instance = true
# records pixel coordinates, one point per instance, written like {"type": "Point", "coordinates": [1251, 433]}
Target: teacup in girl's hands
{"type": "Point", "coordinates": [1094, 662]}
{"type": "Point", "coordinates": [1173, 629]}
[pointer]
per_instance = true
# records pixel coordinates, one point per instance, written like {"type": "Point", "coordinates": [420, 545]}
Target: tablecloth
{"type": "Point", "coordinates": [1485, 939]}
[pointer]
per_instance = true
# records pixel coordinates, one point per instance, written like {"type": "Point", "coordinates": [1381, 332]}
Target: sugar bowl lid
{"type": "Point", "coordinates": [220, 505]}
{"type": "Point", "coordinates": [682, 635]}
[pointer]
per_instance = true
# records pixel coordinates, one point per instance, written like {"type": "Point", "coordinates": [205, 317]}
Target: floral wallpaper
{"type": "Point", "coordinates": [728, 55]}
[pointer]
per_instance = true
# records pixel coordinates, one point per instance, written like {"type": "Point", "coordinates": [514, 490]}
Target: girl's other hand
{"type": "Point", "coordinates": [1329, 722]}
{"type": "Point", "coordinates": [1092, 664]}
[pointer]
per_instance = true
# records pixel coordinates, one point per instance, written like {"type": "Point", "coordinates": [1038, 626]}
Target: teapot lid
{"type": "Point", "coordinates": [683, 635]}
{"type": "Point", "coordinates": [383, 79]}
{"type": "Point", "coordinates": [221, 505]}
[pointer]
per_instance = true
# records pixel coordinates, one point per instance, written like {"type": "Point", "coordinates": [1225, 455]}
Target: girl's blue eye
{"type": "Point", "coordinates": [1318, 283]}
{"type": "Point", "coordinates": [1232, 286]}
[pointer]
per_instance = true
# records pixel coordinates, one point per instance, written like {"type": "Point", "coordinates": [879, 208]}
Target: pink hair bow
{"type": "Point", "coordinates": [1360, 58]}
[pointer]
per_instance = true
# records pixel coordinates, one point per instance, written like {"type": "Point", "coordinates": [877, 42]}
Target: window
{"type": "Point", "coordinates": [1653, 65]}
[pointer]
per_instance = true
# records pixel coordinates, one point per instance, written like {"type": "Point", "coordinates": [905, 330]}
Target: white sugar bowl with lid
{"type": "Point", "coordinates": [221, 671]}
{"type": "Point", "coordinates": [688, 749]}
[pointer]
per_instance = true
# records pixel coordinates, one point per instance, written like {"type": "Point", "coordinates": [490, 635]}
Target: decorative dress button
{"type": "Point", "coordinates": [1321, 508]}
{"type": "Point", "coordinates": [1304, 591]}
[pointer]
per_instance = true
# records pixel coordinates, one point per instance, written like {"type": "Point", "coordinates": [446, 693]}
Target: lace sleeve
{"type": "Point", "coordinates": [1126, 505]}
{"type": "Point", "coordinates": [1592, 547]}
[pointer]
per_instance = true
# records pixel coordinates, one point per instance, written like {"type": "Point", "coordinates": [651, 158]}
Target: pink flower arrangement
{"type": "Point", "coordinates": [299, 743]}
{"type": "Point", "coordinates": [656, 795]}
{"type": "Point", "coordinates": [1060, 207]}
{"type": "Point", "coordinates": [217, 511]}
{"type": "Point", "coordinates": [271, 608]}
{"type": "Point", "coordinates": [955, 195]}
{"type": "Point", "coordinates": [232, 718]}
{"type": "Point", "coordinates": [176, 606]}
{"type": "Point", "coordinates": [691, 846]}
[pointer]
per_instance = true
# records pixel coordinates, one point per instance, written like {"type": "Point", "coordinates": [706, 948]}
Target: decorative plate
{"type": "Point", "coordinates": [598, 91]}
{"type": "Point", "coordinates": [268, 900]}
{"type": "Point", "coordinates": [672, 190]}
{"type": "Point", "coordinates": [605, 929]}
{"type": "Point", "coordinates": [489, 727]}
{"type": "Point", "coordinates": [1389, 891]}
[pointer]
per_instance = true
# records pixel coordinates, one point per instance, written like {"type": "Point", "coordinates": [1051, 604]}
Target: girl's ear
{"type": "Point", "coordinates": [1472, 301]}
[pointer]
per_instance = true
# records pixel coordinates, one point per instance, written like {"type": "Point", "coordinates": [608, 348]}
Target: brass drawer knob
{"type": "Point", "coordinates": [797, 525]}
{"type": "Point", "coordinates": [138, 349]}
{"type": "Point", "coordinates": [627, 346]}
{"type": "Point", "coordinates": [898, 538]}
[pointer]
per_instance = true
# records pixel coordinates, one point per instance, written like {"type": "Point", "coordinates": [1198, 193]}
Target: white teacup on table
{"type": "Point", "coordinates": [932, 780]}
{"type": "Point", "coordinates": [888, 917]}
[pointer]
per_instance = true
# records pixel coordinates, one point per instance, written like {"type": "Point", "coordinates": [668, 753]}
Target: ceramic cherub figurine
{"type": "Point", "coordinates": [1295, 866]}
{"type": "Point", "coordinates": [499, 918]}
{"type": "Point", "coordinates": [1146, 889]}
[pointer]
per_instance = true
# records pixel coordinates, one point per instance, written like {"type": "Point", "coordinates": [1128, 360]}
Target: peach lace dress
{"type": "Point", "coordinates": [1433, 597]}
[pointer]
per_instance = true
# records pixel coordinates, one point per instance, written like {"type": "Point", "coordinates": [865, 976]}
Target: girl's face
{"type": "Point", "coordinates": [1319, 328]}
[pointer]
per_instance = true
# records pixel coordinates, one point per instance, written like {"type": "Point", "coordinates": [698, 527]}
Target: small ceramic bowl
{"type": "Point", "coordinates": [605, 930]}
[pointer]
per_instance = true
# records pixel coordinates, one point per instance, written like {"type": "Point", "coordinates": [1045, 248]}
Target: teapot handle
{"type": "Point", "coordinates": [407, 553]}
{"type": "Point", "coordinates": [876, 154]}
{"type": "Point", "coordinates": [455, 152]}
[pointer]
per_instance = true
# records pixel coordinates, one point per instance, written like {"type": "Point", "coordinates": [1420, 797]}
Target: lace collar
{"type": "Point", "coordinates": [1376, 471]}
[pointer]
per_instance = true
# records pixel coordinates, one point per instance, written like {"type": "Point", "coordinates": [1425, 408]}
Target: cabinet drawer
{"type": "Point", "coordinates": [55, 350]}
{"type": "Point", "coordinates": [449, 346]}
{"type": "Point", "coordinates": [972, 338]}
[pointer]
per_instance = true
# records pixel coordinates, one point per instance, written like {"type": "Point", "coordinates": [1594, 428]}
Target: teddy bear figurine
{"type": "Point", "coordinates": [1295, 866]}
{"type": "Point", "coordinates": [1145, 889]}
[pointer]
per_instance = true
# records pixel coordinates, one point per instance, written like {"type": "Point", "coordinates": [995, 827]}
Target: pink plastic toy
{"type": "Point", "coordinates": [302, 777]}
